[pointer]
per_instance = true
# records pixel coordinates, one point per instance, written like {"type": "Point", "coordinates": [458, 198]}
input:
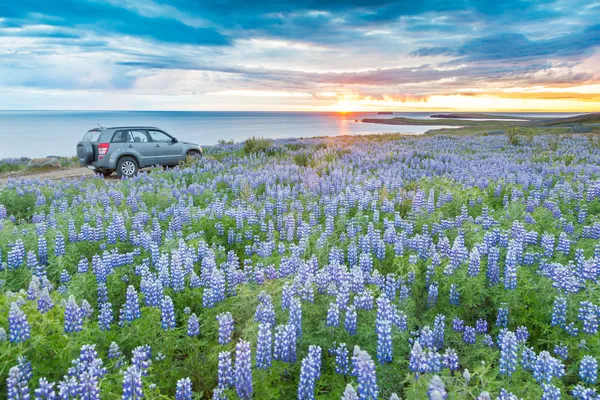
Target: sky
{"type": "Point", "coordinates": [300, 55]}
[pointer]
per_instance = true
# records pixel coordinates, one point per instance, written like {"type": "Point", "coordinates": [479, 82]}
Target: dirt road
{"type": "Point", "coordinates": [56, 174]}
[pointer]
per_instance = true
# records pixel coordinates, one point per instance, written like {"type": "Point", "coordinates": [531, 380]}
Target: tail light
{"type": "Point", "coordinates": [103, 148]}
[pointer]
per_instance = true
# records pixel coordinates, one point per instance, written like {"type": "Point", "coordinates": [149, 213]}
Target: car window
{"type": "Point", "coordinates": [158, 136]}
{"type": "Point", "coordinates": [92, 136]}
{"type": "Point", "coordinates": [137, 137]}
{"type": "Point", "coordinates": [120, 137]}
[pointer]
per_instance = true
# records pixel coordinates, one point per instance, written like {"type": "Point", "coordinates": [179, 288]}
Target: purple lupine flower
{"type": "Point", "coordinates": [341, 359]}
{"type": "Point", "coordinates": [510, 270]}
{"type": "Point", "coordinates": [193, 326]}
{"type": "Point", "coordinates": [432, 294]}
{"type": "Point", "coordinates": [102, 293]}
{"type": "Point", "coordinates": [265, 311]}
{"type": "Point", "coordinates": [588, 369]}
{"type": "Point", "coordinates": [349, 393]}
{"type": "Point", "coordinates": [469, 335]}
{"type": "Point", "coordinates": [17, 384]}
{"type": "Point", "coordinates": [225, 370]}
{"type": "Point", "coordinates": [436, 390]}
{"type": "Point", "coordinates": [114, 351]}
{"type": "Point", "coordinates": [264, 346]}
{"type": "Point", "coordinates": [177, 275]}
{"type": "Point", "coordinates": [439, 326]}
{"type": "Point", "coordinates": [427, 338]}
{"type": "Point", "coordinates": [433, 361]}
{"type": "Point", "coordinates": [86, 309]}
{"type": "Point", "coordinates": [68, 388]}
{"type": "Point", "coordinates": [562, 351]}
{"type": "Point", "coordinates": [167, 314]}
{"type": "Point", "coordinates": [310, 371]}
{"type": "Point", "coordinates": [528, 358]}
{"type": "Point", "coordinates": [588, 314]}
{"type": "Point", "coordinates": [551, 392]}
{"type": "Point", "coordinates": [73, 316]}
{"type": "Point", "coordinates": [458, 324]}
{"type": "Point", "coordinates": [59, 245]}
{"type": "Point", "coordinates": [105, 316]}
{"type": "Point", "coordinates": [508, 354]}
{"type": "Point", "coordinates": [474, 262]}
{"type": "Point", "coordinates": [208, 298]}
{"type": "Point", "coordinates": [131, 308]}
{"type": "Point", "coordinates": [45, 390]}
{"type": "Point", "coordinates": [502, 318]}
{"type": "Point", "coordinates": [481, 326]}
{"type": "Point", "coordinates": [18, 326]}
{"type": "Point", "coordinates": [417, 362]}
{"type": "Point", "coordinates": [571, 329]}
{"type": "Point", "coordinates": [285, 343]}
{"type": "Point", "coordinates": [583, 393]}
{"type": "Point", "coordinates": [384, 341]}
{"type": "Point", "coordinates": [88, 386]}
{"type": "Point", "coordinates": [219, 394]}
{"type": "Point", "coordinates": [546, 367]}
{"type": "Point", "coordinates": [141, 358]}
{"type": "Point", "coordinates": [333, 315]}
{"type": "Point", "coordinates": [522, 334]}
{"type": "Point", "coordinates": [564, 244]}
{"type": "Point", "coordinates": [243, 370]}
{"type": "Point", "coordinates": [351, 320]}
{"type": "Point", "coordinates": [484, 396]}
{"type": "Point", "coordinates": [184, 389]}
{"type": "Point", "coordinates": [450, 359]}
{"type": "Point", "coordinates": [364, 369]}
{"type": "Point", "coordinates": [506, 395]}
{"type": "Point", "coordinates": [296, 316]}
{"type": "Point", "coordinates": [454, 295]}
{"type": "Point", "coordinates": [45, 302]}
{"type": "Point", "coordinates": [226, 325]}
{"type": "Point", "coordinates": [132, 384]}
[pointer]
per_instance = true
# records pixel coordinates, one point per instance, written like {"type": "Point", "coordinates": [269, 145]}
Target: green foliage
{"type": "Point", "coordinates": [512, 133]}
{"type": "Point", "coordinates": [256, 145]}
{"type": "Point", "coordinates": [223, 142]}
{"type": "Point", "coordinates": [301, 159]}
{"type": "Point", "coordinates": [554, 142]}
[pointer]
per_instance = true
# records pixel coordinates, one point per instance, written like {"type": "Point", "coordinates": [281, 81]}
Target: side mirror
{"type": "Point", "coordinates": [173, 140]}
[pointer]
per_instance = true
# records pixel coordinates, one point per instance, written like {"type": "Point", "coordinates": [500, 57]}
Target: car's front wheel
{"type": "Point", "coordinates": [193, 153]}
{"type": "Point", "coordinates": [127, 166]}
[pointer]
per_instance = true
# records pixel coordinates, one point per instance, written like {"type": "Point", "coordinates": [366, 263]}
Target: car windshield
{"type": "Point", "coordinates": [92, 136]}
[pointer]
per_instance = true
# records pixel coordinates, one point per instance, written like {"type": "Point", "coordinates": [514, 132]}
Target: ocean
{"type": "Point", "coordinates": [45, 133]}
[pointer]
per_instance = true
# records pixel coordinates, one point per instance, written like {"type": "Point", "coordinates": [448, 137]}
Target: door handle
{"type": "Point", "coordinates": [130, 146]}
{"type": "Point", "coordinates": [158, 145]}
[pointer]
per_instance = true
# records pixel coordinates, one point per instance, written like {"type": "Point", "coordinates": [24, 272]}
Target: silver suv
{"type": "Point", "coordinates": [126, 149]}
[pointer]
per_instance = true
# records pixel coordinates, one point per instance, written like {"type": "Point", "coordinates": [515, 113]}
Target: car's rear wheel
{"type": "Point", "coordinates": [104, 172]}
{"type": "Point", "coordinates": [127, 166]}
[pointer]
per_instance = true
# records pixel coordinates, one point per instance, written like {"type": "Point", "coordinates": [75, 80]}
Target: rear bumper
{"type": "Point", "coordinates": [105, 163]}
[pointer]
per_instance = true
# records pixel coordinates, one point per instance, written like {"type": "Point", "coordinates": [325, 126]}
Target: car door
{"type": "Point", "coordinates": [139, 144]}
{"type": "Point", "coordinates": [168, 151]}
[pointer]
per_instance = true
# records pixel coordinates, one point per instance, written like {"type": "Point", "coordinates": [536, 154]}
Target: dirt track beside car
{"type": "Point", "coordinates": [54, 175]}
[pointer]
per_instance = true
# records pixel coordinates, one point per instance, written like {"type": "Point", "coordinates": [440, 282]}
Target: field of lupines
{"type": "Point", "coordinates": [358, 268]}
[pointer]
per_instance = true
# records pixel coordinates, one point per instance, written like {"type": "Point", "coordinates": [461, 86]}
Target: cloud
{"type": "Point", "coordinates": [516, 46]}
{"type": "Point", "coordinates": [105, 18]}
{"type": "Point", "coordinates": [378, 50]}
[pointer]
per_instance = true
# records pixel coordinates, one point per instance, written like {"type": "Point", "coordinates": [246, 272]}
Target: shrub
{"type": "Point", "coordinates": [301, 159]}
{"type": "Point", "coordinates": [256, 145]}
{"type": "Point", "coordinates": [512, 132]}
